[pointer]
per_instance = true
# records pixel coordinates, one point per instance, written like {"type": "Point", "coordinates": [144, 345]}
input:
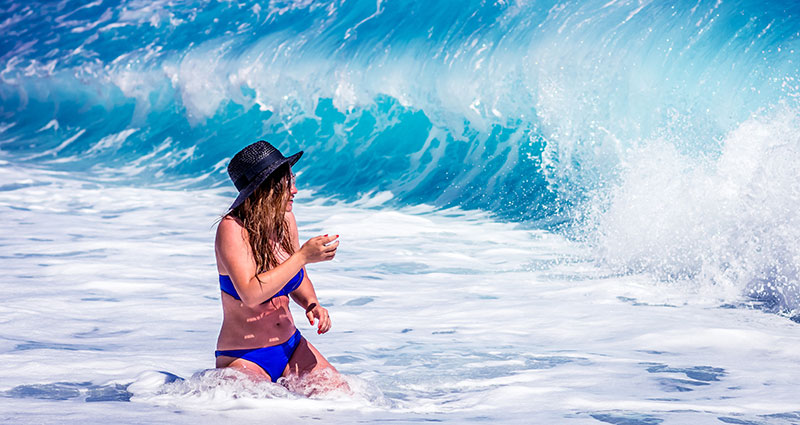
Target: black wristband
{"type": "Point", "coordinates": [310, 307]}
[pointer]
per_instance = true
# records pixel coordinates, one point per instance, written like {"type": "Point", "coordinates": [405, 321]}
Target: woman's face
{"type": "Point", "coordinates": [292, 192]}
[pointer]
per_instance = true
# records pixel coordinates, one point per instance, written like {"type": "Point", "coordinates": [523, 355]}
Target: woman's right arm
{"type": "Point", "coordinates": [233, 251]}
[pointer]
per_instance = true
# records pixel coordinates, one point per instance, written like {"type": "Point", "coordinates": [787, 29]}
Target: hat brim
{"type": "Point", "coordinates": [260, 177]}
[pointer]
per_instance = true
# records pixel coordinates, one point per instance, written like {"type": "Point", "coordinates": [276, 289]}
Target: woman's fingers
{"type": "Point", "coordinates": [330, 250]}
{"type": "Point", "coordinates": [323, 319]}
{"type": "Point", "coordinates": [327, 326]}
{"type": "Point", "coordinates": [324, 239]}
{"type": "Point", "coordinates": [321, 325]}
{"type": "Point", "coordinates": [321, 248]}
{"type": "Point", "coordinates": [324, 324]}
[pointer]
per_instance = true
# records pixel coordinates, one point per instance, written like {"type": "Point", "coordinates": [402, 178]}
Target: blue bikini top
{"type": "Point", "coordinates": [226, 285]}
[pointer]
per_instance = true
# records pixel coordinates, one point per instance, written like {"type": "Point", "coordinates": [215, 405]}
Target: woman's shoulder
{"type": "Point", "coordinates": [229, 225]}
{"type": "Point", "coordinates": [230, 220]}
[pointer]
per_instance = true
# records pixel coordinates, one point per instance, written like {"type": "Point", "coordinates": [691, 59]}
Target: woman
{"type": "Point", "coordinates": [261, 264]}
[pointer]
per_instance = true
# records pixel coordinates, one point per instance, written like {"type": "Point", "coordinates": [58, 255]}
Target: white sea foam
{"type": "Point", "coordinates": [61, 146]}
{"type": "Point", "coordinates": [112, 141]}
{"type": "Point", "coordinates": [728, 223]}
{"type": "Point", "coordinates": [111, 294]}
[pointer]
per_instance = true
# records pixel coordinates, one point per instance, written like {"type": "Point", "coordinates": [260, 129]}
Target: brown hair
{"type": "Point", "coordinates": [263, 215]}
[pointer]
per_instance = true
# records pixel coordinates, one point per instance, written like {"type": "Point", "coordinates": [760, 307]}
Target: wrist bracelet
{"type": "Point", "coordinates": [310, 307]}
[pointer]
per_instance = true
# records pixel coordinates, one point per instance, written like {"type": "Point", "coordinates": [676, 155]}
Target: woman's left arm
{"type": "Point", "coordinates": [304, 295]}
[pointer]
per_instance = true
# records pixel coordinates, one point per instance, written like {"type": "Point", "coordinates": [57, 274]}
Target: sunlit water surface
{"type": "Point", "coordinates": [111, 310]}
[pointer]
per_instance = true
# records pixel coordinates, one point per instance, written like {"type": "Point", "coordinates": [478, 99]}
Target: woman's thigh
{"type": "Point", "coordinates": [306, 358]}
{"type": "Point", "coordinates": [246, 366]}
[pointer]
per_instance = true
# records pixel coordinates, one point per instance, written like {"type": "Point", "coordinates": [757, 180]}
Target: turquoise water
{"type": "Point", "coordinates": [627, 164]}
{"type": "Point", "coordinates": [518, 108]}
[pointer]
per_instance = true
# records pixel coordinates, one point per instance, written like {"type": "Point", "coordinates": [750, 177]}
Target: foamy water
{"type": "Point", "coordinates": [111, 312]}
{"type": "Point", "coordinates": [661, 136]}
{"type": "Point", "coordinates": [724, 224]}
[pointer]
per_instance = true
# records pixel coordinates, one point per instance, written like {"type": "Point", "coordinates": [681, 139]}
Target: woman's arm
{"type": "Point", "coordinates": [236, 258]}
{"type": "Point", "coordinates": [305, 296]}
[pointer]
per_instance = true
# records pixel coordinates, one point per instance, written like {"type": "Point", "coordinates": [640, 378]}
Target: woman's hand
{"type": "Point", "coordinates": [316, 311]}
{"type": "Point", "coordinates": [320, 248]}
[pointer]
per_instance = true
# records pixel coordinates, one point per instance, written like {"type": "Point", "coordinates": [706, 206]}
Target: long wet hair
{"type": "Point", "coordinates": [263, 215]}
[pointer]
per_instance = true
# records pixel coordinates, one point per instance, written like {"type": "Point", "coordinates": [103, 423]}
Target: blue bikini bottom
{"type": "Point", "coordinates": [272, 359]}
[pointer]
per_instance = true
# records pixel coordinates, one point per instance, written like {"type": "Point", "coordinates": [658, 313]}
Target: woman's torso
{"type": "Point", "coordinates": [267, 324]}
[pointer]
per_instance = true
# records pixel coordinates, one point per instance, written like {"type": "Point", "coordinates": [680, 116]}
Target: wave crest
{"type": "Point", "coordinates": [729, 221]}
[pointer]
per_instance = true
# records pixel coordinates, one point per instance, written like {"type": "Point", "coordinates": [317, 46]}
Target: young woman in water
{"type": "Point", "coordinates": [261, 264]}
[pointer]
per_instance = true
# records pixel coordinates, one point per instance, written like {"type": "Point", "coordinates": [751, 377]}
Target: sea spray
{"type": "Point", "coordinates": [729, 221]}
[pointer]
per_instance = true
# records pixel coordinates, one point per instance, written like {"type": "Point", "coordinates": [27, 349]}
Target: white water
{"type": "Point", "coordinates": [438, 315]}
{"type": "Point", "coordinates": [726, 224]}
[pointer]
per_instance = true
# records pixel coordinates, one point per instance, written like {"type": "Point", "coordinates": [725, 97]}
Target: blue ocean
{"type": "Point", "coordinates": [551, 212]}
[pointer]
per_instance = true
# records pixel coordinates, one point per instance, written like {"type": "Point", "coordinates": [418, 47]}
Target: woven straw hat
{"type": "Point", "coordinates": [253, 164]}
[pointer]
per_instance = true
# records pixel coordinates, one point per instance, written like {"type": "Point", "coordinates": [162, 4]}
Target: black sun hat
{"type": "Point", "coordinates": [253, 164]}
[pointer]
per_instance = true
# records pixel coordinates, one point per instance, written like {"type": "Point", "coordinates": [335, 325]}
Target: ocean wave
{"type": "Point", "coordinates": [648, 129]}
{"type": "Point", "coordinates": [729, 222]}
